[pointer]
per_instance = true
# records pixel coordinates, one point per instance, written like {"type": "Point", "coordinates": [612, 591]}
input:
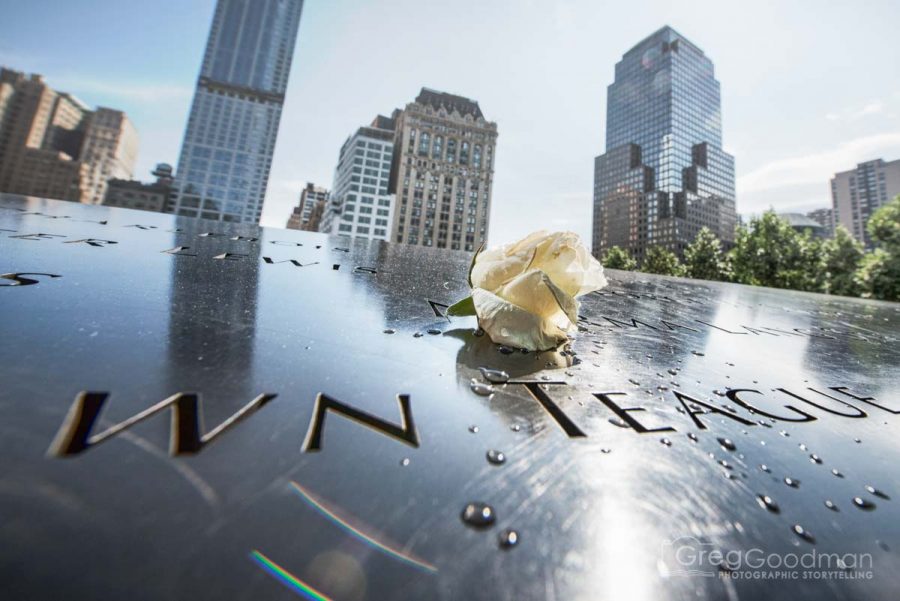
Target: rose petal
{"type": "Point", "coordinates": [593, 278]}
{"type": "Point", "coordinates": [493, 269]}
{"type": "Point", "coordinates": [509, 324]}
{"type": "Point", "coordinates": [536, 293]}
{"type": "Point", "coordinates": [567, 304]}
{"type": "Point", "coordinates": [497, 266]}
{"type": "Point", "coordinates": [526, 245]}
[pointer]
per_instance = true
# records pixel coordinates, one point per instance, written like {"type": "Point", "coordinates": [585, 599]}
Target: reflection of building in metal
{"type": "Point", "coordinates": [442, 172]}
{"type": "Point", "coordinates": [360, 204]}
{"type": "Point", "coordinates": [212, 308]}
{"type": "Point", "coordinates": [132, 194]}
{"type": "Point", "coordinates": [308, 214]}
{"type": "Point", "coordinates": [801, 224]}
{"type": "Point", "coordinates": [227, 150]}
{"type": "Point", "coordinates": [664, 174]}
{"type": "Point", "coordinates": [858, 193]}
{"type": "Point", "coordinates": [52, 145]}
{"type": "Point", "coordinates": [825, 218]}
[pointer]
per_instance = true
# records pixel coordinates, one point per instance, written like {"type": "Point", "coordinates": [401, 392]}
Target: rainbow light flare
{"type": "Point", "coordinates": [286, 578]}
{"type": "Point", "coordinates": [355, 531]}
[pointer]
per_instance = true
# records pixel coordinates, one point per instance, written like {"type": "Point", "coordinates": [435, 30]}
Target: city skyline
{"type": "Point", "coordinates": [789, 124]}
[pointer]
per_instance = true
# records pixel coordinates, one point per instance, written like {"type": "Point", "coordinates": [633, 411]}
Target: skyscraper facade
{"type": "Point", "coordinates": [361, 206]}
{"type": "Point", "coordinates": [858, 193]}
{"type": "Point", "coordinates": [664, 174]}
{"type": "Point", "coordinates": [308, 213]}
{"type": "Point", "coordinates": [442, 172]}
{"type": "Point", "coordinates": [226, 155]}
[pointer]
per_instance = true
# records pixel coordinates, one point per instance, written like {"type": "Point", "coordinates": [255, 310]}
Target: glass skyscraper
{"type": "Point", "coordinates": [223, 169]}
{"type": "Point", "coordinates": [664, 174]}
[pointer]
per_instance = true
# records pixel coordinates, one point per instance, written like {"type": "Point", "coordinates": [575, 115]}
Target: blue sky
{"type": "Point", "coordinates": [808, 87]}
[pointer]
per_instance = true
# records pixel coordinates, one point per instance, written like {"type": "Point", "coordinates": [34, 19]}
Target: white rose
{"type": "Point", "coordinates": [525, 293]}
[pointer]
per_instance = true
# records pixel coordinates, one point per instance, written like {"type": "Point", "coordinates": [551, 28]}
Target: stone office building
{"type": "Point", "coordinates": [52, 145]}
{"type": "Point", "coordinates": [664, 174]}
{"type": "Point", "coordinates": [856, 194]}
{"type": "Point", "coordinates": [442, 172]}
{"type": "Point", "coordinates": [307, 215]}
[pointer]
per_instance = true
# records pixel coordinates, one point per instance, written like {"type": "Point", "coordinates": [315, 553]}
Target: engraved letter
{"type": "Point", "coordinates": [185, 433]}
{"type": "Point", "coordinates": [405, 432]}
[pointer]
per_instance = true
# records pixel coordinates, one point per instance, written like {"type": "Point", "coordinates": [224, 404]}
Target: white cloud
{"type": "Point", "coordinates": [818, 167]}
{"type": "Point", "coordinates": [147, 92]}
{"type": "Point", "coordinates": [873, 108]}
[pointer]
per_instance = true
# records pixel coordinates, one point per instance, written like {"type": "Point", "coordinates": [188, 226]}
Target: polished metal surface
{"type": "Point", "coordinates": [196, 411]}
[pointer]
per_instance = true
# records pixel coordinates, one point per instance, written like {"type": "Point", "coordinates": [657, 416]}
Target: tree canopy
{"type": "Point", "coordinates": [618, 258]}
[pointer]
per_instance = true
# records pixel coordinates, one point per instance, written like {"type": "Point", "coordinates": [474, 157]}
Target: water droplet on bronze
{"type": "Point", "coordinates": [874, 491]}
{"type": "Point", "coordinates": [726, 444]}
{"type": "Point", "coordinates": [478, 515]}
{"type": "Point", "coordinates": [494, 376]}
{"type": "Point", "coordinates": [508, 539]}
{"type": "Point", "coordinates": [804, 534]}
{"type": "Point", "coordinates": [766, 502]}
{"type": "Point", "coordinates": [864, 504]}
{"type": "Point", "coordinates": [480, 388]}
{"type": "Point", "coordinates": [496, 457]}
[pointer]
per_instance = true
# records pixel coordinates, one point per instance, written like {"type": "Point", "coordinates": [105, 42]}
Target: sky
{"type": "Point", "coordinates": [809, 88]}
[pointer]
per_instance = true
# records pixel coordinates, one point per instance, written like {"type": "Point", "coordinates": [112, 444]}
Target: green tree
{"type": "Point", "coordinates": [879, 271]}
{"type": "Point", "coordinates": [884, 225]}
{"type": "Point", "coordinates": [703, 258]}
{"type": "Point", "coordinates": [769, 252]}
{"type": "Point", "coordinates": [809, 273]}
{"type": "Point", "coordinates": [842, 255]}
{"type": "Point", "coordinates": [619, 258]}
{"type": "Point", "coordinates": [879, 275]}
{"type": "Point", "coordinates": [661, 261]}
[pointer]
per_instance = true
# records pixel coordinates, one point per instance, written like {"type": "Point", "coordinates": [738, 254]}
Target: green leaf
{"type": "Point", "coordinates": [461, 308]}
{"type": "Point", "coordinates": [472, 266]}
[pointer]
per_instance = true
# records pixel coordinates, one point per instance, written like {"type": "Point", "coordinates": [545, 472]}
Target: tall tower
{"type": "Point", "coordinates": [442, 172]}
{"type": "Point", "coordinates": [664, 174]}
{"type": "Point", "coordinates": [223, 169]}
